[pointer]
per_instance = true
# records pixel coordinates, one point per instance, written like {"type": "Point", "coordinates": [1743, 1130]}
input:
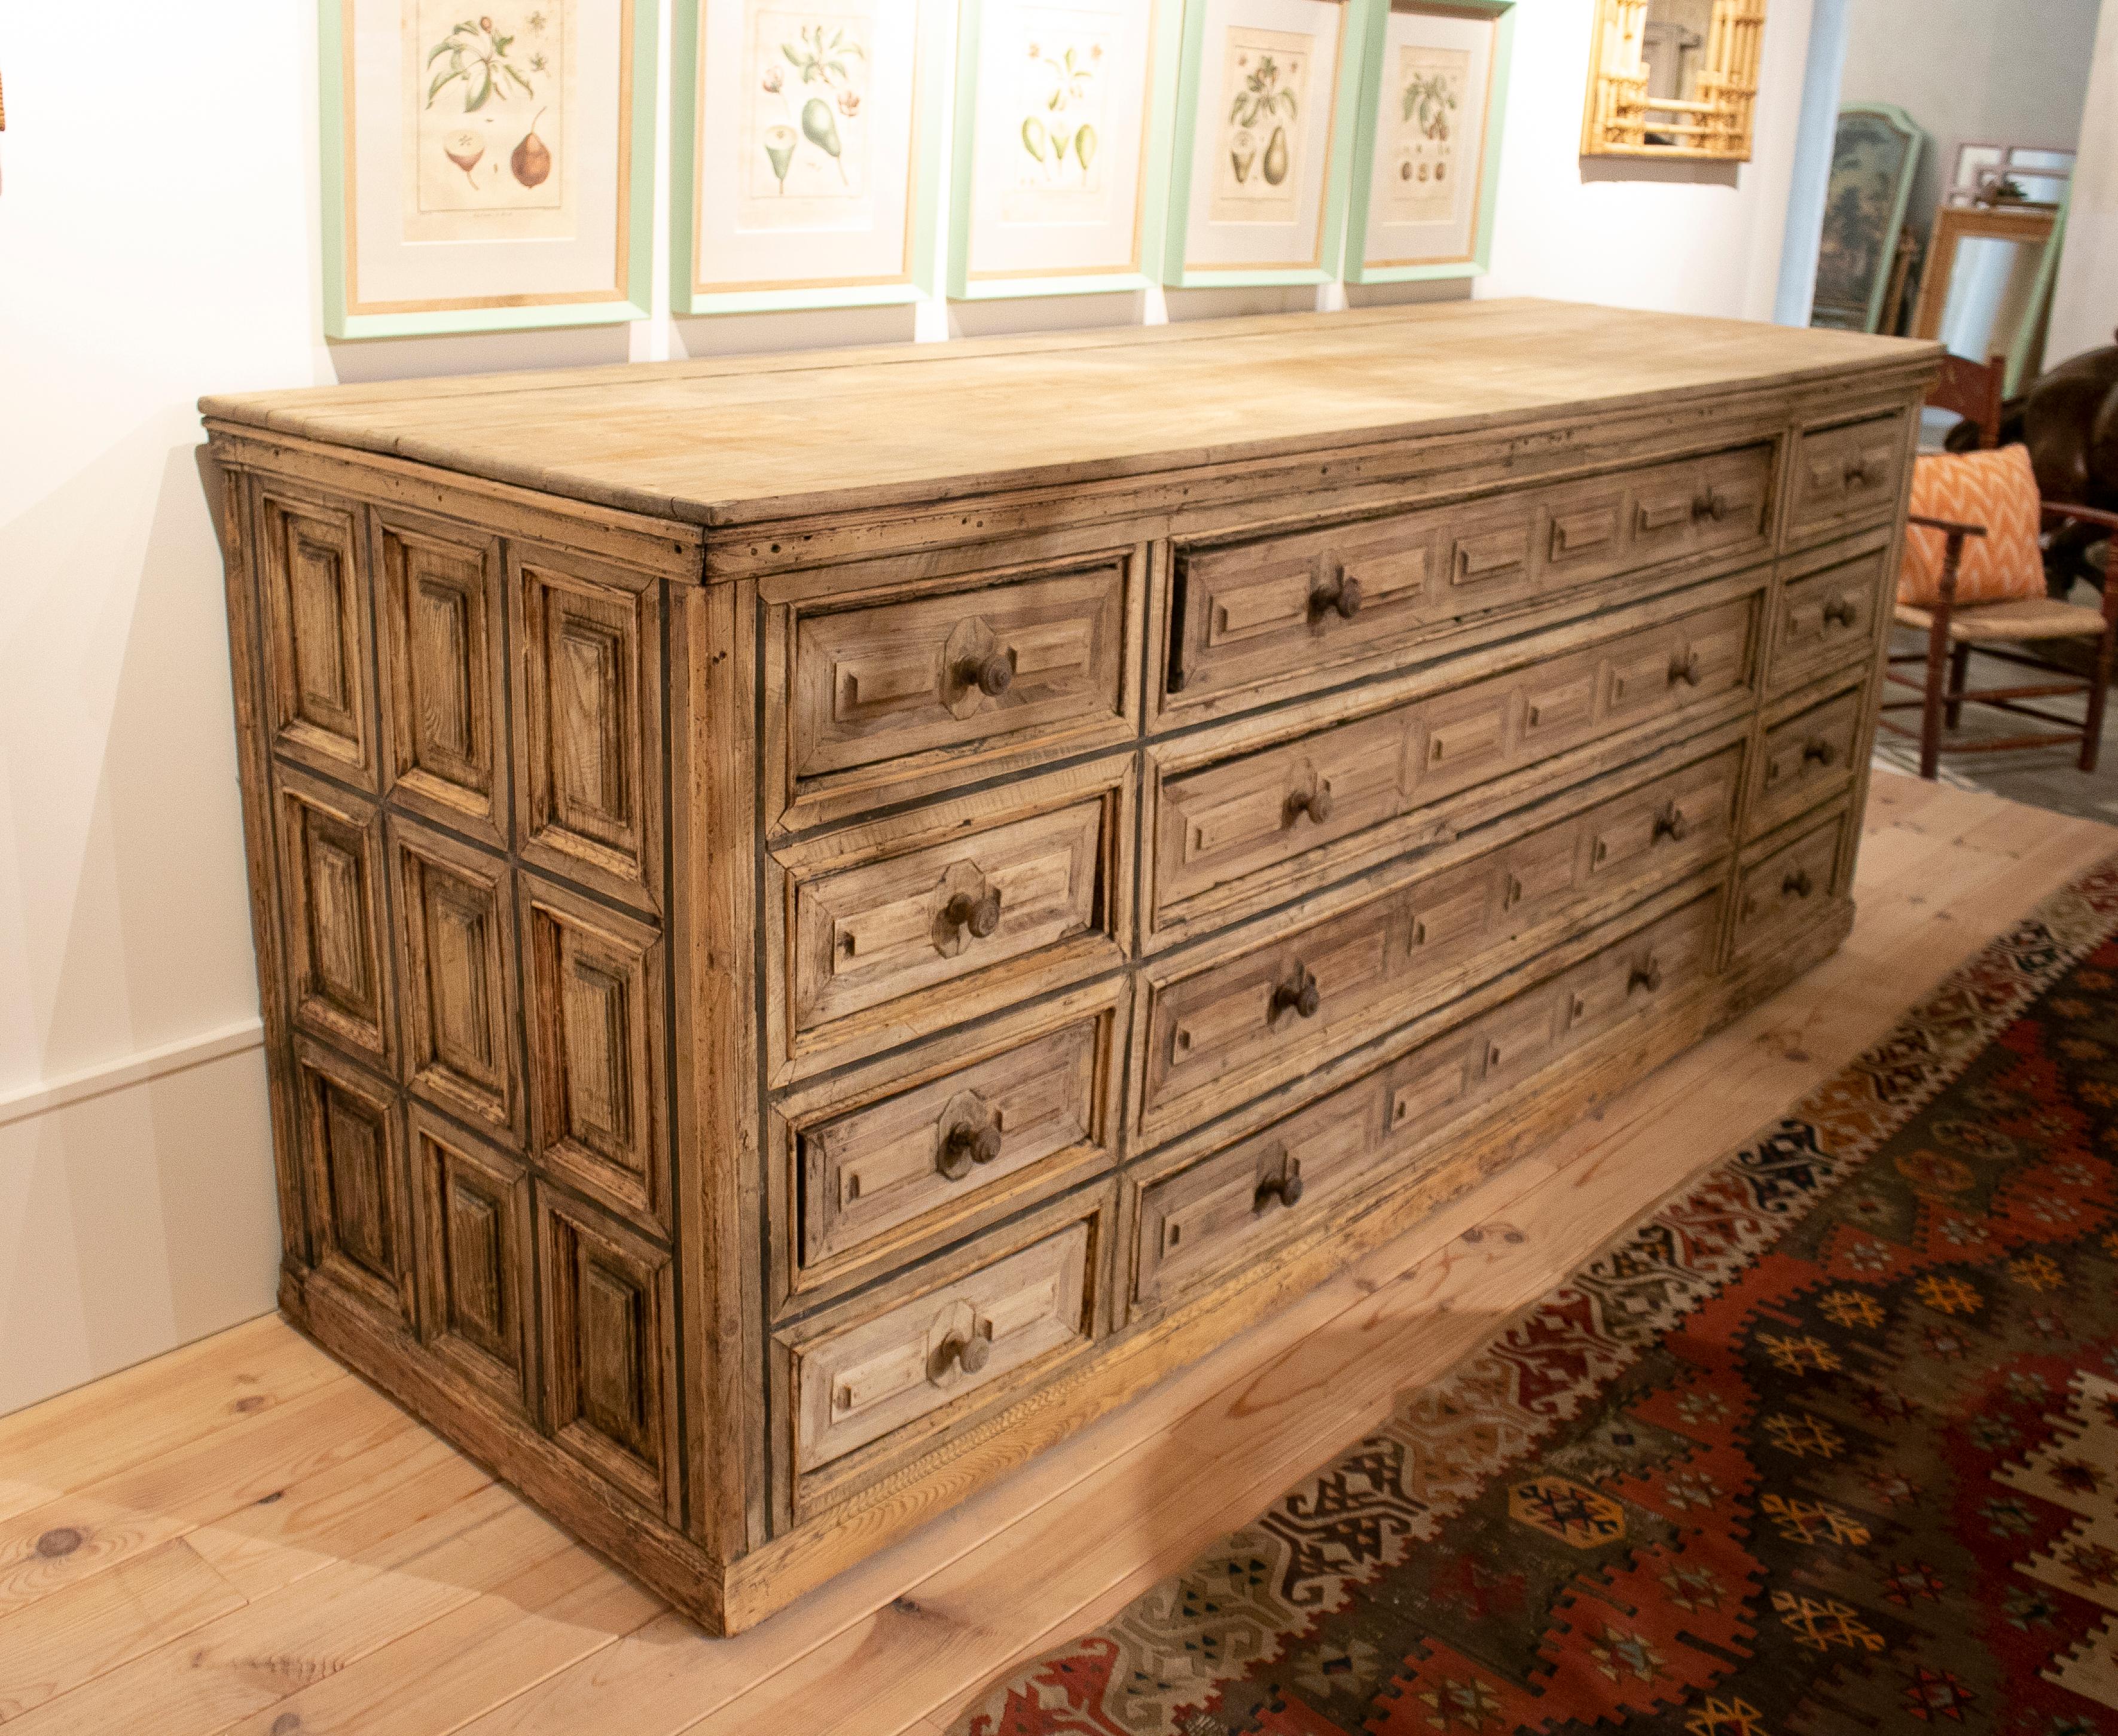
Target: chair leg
{"type": "Point", "coordinates": [1937, 673]}
{"type": "Point", "coordinates": [1960, 673]}
{"type": "Point", "coordinates": [2099, 691]}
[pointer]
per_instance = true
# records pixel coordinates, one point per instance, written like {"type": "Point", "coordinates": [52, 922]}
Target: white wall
{"type": "Point", "coordinates": [2085, 303]}
{"type": "Point", "coordinates": [1971, 72]}
{"type": "Point", "coordinates": [165, 248]}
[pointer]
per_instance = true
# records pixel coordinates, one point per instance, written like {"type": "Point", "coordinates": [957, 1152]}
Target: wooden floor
{"type": "Point", "coordinates": [240, 1536]}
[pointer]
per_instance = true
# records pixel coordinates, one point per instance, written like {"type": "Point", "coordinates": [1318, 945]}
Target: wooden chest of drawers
{"type": "Point", "coordinates": [823, 920]}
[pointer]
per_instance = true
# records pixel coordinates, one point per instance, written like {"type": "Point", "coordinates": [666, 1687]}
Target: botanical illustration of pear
{"type": "Point", "coordinates": [1085, 145]}
{"type": "Point", "coordinates": [464, 150]}
{"type": "Point", "coordinates": [532, 161]}
{"type": "Point", "coordinates": [1243, 152]}
{"type": "Point", "coordinates": [1276, 157]}
{"type": "Point", "coordinates": [1032, 137]}
{"type": "Point", "coordinates": [821, 126]}
{"type": "Point", "coordinates": [779, 143]}
{"type": "Point", "coordinates": [1062, 144]}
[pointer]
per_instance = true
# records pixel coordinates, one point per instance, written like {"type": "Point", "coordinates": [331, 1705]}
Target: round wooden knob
{"type": "Point", "coordinates": [980, 916]}
{"type": "Point", "coordinates": [966, 1146]}
{"type": "Point", "coordinates": [1301, 994]}
{"type": "Point", "coordinates": [1818, 753]}
{"type": "Point", "coordinates": [969, 1354]}
{"type": "Point", "coordinates": [1839, 612]}
{"type": "Point", "coordinates": [1671, 824]}
{"type": "Point", "coordinates": [1708, 506]}
{"type": "Point", "coordinates": [1797, 885]}
{"type": "Point", "coordinates": [992, 676]}
{"type": "Point", "coordinates": [1685, 668]}
{"type": "Point", "coordinates": [1647, 976]}
{"type": "Point", "coordinates": [1857, 472]}
{"type": "Point", "coordinates": [1316, 804]}
{"type": "Point", "coordinates": [1286, 1190]}
{"type": "Point", "coordinates": [1342, 595]}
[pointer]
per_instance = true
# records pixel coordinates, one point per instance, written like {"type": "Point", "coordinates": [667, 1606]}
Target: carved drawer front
{"type": "Point", "coordinates": [1005, 890]}
{"type": "Point", "coordinates": [331, 882]}
{"type": "Point", "coordinates": [964, 675]}
{"type": "Point", "coordinates": [595, 1017]}
{"type": "Point", "coordinates": [319, 662]}
{"type": "Point", "coordinates": [456, 932]}
{"type": "Point", "coordinates": [472, 1203]}
{"type": "Point", "coordinates": [589, 734]}
{"type": "Point", "coordinates": [1828, 619]}
{"type": "Point", "coordinates": [360, 1219]}
{"type": "Point", "coordinates": [879, 1177]}
{"type": "Point", "coordinates": [1849, 472]}
{"type": "Point", "coordinates": [869, 1372]}
{"type": "Point", "coordinates": [444, 678]}
{"type": "Point", "coordinates": [1237, 1205]}
{"type": "Point", "coordinates": [1795, 882]}
{"type": "Point", "coordinates": [1807, 759]}
{"type": "Point", "coordinates": [1230, 833]}
{"type": "Point", "coordinates": [1298, 612]}
{"type": "Point", "coordinates": [607, 1330]}
{"type": "Point", "coordinates": [1273, 1014]}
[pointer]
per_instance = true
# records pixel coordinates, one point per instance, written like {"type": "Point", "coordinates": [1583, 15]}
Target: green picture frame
{"type": "Point", "coordinates": [1178, 270]}
{"type": "Point", "coordinates": [1875, 153]}
{"type": "Point", "coordinates": [1164, 38]}
{"type": "Point", "coordinates": [690, 299]}
{"type": "Point", "coordinates": [1477, 259]}
{"type": "Point", "coordinates": [345, 319]}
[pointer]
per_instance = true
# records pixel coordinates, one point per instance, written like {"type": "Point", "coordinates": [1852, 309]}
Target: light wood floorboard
{"type": "Point", "coordinates": [239, 1537]}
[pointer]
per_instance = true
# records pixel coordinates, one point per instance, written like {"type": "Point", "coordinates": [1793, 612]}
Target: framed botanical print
{"type": "Point", "coordinates": [807, 140]}
{"type": "Point", "coordinates": [485, 169]}
{"type": "Point", "coordinates": [1062, 117]}
{"type": "Point", "coordinates": [1426, 152]}
{"type": "Point", "coordinates": [1267, 100]}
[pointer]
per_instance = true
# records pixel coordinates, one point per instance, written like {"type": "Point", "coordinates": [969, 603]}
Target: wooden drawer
{"type": "Point", "coordinates": [1852, 471]}
{"type": "Point", "coordinates": [964, 674]}
{"type": "Point", "coordinates": [1792, 883]}
{"type": "Point", "coordinates": [1219, 1033]}
{"type": "Point", "coordinates": [1302, 611]}
{"type": "Point", "coordinates": [894, 1370]}
{"type": "Point", "coordinates": [1828, 618]}
{"type": "Point", "coordinates": [905, 926]}
{"type": "Point", "coordinates": [923, 1149]}
{"type": "Point", "coordinates": [1198, 1221]}
{"type": "Point", "coordinates": [1232, 833]}
{"type": "Point", "coordinates": [1806, 759]}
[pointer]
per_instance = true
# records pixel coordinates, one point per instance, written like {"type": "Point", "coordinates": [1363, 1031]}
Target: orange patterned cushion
{"type": "Point", "coordinates": [1998, 490]}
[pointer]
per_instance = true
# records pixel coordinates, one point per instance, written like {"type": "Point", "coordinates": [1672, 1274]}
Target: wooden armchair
{"type": "Point", "coordinates": [1998, 630]}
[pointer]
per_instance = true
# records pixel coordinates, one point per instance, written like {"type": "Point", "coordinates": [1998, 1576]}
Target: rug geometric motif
{"type": "Point", "coordinates": [1828, 1444]}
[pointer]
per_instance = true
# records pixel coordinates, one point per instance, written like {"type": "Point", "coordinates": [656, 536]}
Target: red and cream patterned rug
{"type": "Point", "coordinates": [1829, 1445]}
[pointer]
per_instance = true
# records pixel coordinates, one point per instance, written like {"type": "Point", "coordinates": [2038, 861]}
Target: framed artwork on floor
{"type": "Point", "coordinates": [486, 168]}
{"type": "Point", "coordinates": [1426, 152]}
{"type": "Point", "coordinates": [1268, 97]}
{"type": "Point", "coordinates": [805, 142]}
{"type": "Point", "coordinates": [1062, 146]}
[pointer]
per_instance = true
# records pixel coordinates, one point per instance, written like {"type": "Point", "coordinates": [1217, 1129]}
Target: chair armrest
{"type": "Point", "coordinates": [1948, 525]}
{"type": "Point", "coordinates": [2082, 515]}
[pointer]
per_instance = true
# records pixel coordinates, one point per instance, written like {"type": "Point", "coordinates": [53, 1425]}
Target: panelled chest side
{"type": "Point", "coordinates": [818, 930]}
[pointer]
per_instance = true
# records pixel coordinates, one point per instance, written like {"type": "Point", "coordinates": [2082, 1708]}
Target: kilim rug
{"type": "Point", "coordinates": [1826, 1445]}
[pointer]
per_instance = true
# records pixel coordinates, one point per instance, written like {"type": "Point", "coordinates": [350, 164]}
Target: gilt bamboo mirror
{"type": "Point", "coordinates": [1673, 78]}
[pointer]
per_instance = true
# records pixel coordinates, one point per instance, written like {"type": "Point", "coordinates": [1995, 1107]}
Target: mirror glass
{"type": "Point", "coordinates": [1992, 282]}
{"type": "Point", "coordinates": [1674, 47]}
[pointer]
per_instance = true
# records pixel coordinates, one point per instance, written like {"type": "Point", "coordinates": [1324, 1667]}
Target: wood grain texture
{"type": "Point", "coordinates": [763, 1058]}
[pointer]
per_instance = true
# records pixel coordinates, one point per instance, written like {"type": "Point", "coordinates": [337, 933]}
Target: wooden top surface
{"type": "Point", "coordinates": [738, 441]}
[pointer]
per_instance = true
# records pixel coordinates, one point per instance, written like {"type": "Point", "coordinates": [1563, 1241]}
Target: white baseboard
{"type": "Point", "coordinates": [137, 1069]}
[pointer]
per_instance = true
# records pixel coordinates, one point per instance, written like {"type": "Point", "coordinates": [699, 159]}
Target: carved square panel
{"type": "Point", "coordinates": [354, 1158]}
{"type": "Point", "coordinates": [444, 676]}
{"type": "Point", "coordinates": [319, 663]}
{"type": "Point", "coordinates": [473, 1211]}
{"type": "Point", "coordinates": [609, 1357]}
{"type": "Point", "coordinates": [596, 1022]}
{"type": "Point", "coordinates": [589, 738]}
{"type": "Point", "coordinates": [456, 928]}
{"type": "Point", "coordinates": [331, 882]}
